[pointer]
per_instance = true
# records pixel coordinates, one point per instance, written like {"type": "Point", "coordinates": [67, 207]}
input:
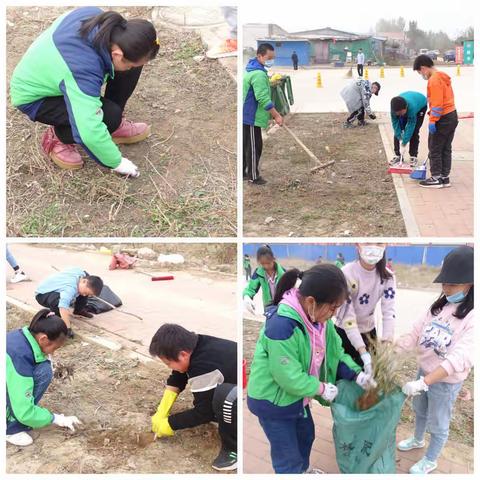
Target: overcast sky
{"type": "Point", "coordinates": [359, 16]}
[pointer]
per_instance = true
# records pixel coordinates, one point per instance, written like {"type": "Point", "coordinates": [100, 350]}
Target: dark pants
{"type": "Point", "coordinates": [252, 151]}
{"type": "Point", "coordinates": [225, 407]}
{"type": "Point", "coordinates": [291, 442]}
{"type": "Point", "coordinates": [53, 110]}
{"type": "Point", "coordinates": [360, 114]}
{"type": "Point", "coordinates": [42, 377]}
{"type": "Point", "coordinates": [295, 65]}
{"type": "Point", "coordinates": [350, 349]}
{"type": "Point", "coordinates": [440, 145]}
{"type": "Point", "coordinates": [360, 69]}
{"type": "Point", "coordinates": [414, 139]}
{"type": "Point", "coordinates": [248, 273]}
{"type": "Point", "coordinates": [50, 300]}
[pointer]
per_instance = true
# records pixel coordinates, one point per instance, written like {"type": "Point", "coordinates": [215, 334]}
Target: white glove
{"type": "Point", "coordinates": [128, 168]}
{"type": "Point", "coordinates": [329, 393]}
{"type": "Point", "coordinates": [67, 422]}
{"type": "Point", "coordinates": [415, 387]}
{"type": "Point", "coordinates": [367, 363]}
{"type": "Point", "coordinates": [249, 305]}
{"type": "Point", "coordinates": [365, 381]}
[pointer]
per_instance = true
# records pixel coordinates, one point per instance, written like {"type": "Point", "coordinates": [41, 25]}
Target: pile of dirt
{"type": "Point", "coordinates": [114, 396]}
{"type": "Point", "coordinates": [354, 197]}
{"type": "Point", "coordinates": [187, 185]}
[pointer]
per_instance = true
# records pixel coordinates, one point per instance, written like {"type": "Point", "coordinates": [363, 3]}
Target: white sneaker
{"type": "Point", "coordinates": [410, 444]}
{"type": "Point", "coordinates": [18, 277]}
{"type": "Point", "coordinates": [20, 439]}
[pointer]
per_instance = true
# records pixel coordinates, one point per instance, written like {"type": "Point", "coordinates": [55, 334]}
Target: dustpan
{"type": "Point", "coordinates": [420, 173]}
{"type": "Point", "coordinates": [401, 168]}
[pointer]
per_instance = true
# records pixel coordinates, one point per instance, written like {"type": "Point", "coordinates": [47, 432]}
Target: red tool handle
{"type": "Point", "coordinates": [163, 277]}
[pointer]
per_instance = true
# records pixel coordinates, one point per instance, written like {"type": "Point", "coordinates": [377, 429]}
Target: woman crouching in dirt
{"type": "Point", "coordinates": [29, 373]}
{"type": "Point", "coordinates": [58, 82]}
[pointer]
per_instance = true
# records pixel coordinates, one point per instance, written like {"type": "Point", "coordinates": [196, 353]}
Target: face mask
{"type": "Point", "coordinates": [269, 63]}
{"type": "Point", "coordinates": [371, 254]}
{"type": "Point", "coordinates": [456, 297]}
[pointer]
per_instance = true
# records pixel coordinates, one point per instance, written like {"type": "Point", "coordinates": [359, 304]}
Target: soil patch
{"type": "Point", "coordinates": [354, 197]}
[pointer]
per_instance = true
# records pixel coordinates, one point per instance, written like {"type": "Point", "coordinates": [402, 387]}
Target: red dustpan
{"type": "Point", "coordinates": [401, 168]}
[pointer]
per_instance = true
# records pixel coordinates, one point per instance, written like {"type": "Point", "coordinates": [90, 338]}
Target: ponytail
{"type": "Point", "coordinates": [288, 281]}
{"type": "Point", "coordinates": [265, 251]}
{"type": "Point", "coordinates": [48, 323]}
{"type": "Point", "coordinates": [136, 38]}
{"type": "Point", "coordinates": [326, 283]}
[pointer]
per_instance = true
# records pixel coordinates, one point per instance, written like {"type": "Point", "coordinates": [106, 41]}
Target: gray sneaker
{"type": "Point", "coordinates": [395, 160]}
{"type": "Point", "coordinates": [410, 444]}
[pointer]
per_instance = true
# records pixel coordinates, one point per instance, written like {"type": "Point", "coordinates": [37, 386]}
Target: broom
{"type": "Point", "coordinates": [420, 173]}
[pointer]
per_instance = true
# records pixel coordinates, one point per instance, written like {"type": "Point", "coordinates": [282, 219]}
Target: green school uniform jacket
{"type": "Point", "coordinates": [279, 378]}
{"type": "Point", "coordinates": [259, 280]}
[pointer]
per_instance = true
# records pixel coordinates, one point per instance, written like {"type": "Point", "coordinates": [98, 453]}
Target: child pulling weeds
{"type": "Point", "coordinates": [444, 337]}
{"type": "Point", "coordinates": [299, 356]}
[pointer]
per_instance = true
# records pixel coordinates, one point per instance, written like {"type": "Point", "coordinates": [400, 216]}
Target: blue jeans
{"type": "Point", "coordinates": [11, 259]}
{"type": "Point", "coordinates": [433, 411]}
{"type": "Point", "coordinates": [42, 377]}
{"type": "Point", "coordinates": [291, 442]}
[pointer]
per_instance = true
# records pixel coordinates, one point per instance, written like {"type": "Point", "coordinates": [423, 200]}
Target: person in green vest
{"type": "Point", "coordinates": [247, 267]}
{"type": "Point", "coordinates": [299, 357]}
{"type": "Point", "coordinates": [265, 277]}
{"type": "Point", "coordinates": [340, 260]}
{"type": "Point", "coordinates": [59, 82]}
{"type": "Point", "coordinates": [29, 373]}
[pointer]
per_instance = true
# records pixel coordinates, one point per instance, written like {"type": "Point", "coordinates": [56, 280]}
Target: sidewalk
{"type": "Point", "coordinates": [257, 450]}
{"type": "Point", "coordinates": [201, 303]}
{"type": "Point", "coordinates": [446, 212]}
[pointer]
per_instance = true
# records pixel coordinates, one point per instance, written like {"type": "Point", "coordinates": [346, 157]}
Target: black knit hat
{"type": "Point", "coordinates": [457, 267]}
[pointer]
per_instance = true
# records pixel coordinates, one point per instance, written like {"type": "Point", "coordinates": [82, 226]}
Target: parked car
{"type": "Point", "coordinates": [449, 56]}
{"type": "Point", "coordinates": [432, 54]}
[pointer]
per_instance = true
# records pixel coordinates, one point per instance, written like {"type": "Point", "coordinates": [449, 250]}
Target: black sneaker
{"type": "Point", "coordinates": [83, 313]}
{"type": "Point", "coordinates": [413, 162]}
{"type": "Point", "coordinates": [446, 182]}
{"type": "Point", "coordinates": [348, 124]}
{"type": "Point", "coordinates": [70, 333]}
{"type": "Point", "coordinates": [258, 181]}
{"type": "Point", "coordinates": [225, 461]}
{"type": "Point", "coordinates": [432, 182]}
{"type": "Point", "coordinates": [395, 160]}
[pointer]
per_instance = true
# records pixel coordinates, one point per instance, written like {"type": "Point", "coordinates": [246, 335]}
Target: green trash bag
{"type": "Point", "coordinates": [279, 99]}
{"type": "Point", "coordinates": [365, 441]}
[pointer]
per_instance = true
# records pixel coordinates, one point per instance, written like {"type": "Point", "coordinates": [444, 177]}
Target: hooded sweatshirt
{"type": "Point", "coordinates": [440, 96]}
{"type": "Point", "coordinates": [443, 340]}
{"type": "Point", "coordinates": [357, 314]}
{"type": "Point", "coordinates": [257, 98]}
{"type": "Point", "coordinates": [404, 126]}
{"type": "Point", "coordinates": [316, 333]}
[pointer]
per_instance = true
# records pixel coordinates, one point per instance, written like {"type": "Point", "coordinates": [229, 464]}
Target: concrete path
{"type": "Point", "coordinates": [201, 303]}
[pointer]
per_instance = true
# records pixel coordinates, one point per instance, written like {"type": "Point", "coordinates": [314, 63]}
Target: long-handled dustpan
{"type": "Point", "coordinates": [401, 168]}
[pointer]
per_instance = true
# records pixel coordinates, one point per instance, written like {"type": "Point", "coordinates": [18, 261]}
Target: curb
{"type": "Point", "coordinates": [101, 341]}
{"type": "Point", "coordinates": [405, 207]}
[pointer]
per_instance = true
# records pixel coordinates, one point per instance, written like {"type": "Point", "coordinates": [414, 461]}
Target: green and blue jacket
{"type": "Point", "coordinates": [404, 127]}
{"type": "Point", "coordinates": [259, 280]}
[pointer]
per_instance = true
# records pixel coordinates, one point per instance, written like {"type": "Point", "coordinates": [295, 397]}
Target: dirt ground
{"type": "Point", "coordinates": [354, 197]}
{"type": "Point", "coordinates": [114, 396]}
{"type": "Point", "coordinates": [187, 183]}
{"type": "Point", "coordinates": [461, 426]}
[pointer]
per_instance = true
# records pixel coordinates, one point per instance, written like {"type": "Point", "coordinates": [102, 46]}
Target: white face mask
{"type": "Point", "coordinates": [371, 254]}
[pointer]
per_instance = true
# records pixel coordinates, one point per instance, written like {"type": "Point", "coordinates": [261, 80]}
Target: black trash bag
{"type": "Point", "coordinates": [95, 305]}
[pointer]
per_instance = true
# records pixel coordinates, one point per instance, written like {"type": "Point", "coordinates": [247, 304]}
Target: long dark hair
{"type": "Point", "coordinates": [45, 321]}
{"type": "Point", "coordinates": [136, 38]}
{"type": "Point", "coordinates": [382, 270]}
{"type": "Point", "coordinates": [463, 309]}
{"type": "Point", "coordinates": [325, 283]}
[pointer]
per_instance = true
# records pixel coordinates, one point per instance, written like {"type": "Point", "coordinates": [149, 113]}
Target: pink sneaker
{"type": "Point", "coordinates": [129, 132]}
{"type": "Point", "coordinates": [63, 155]}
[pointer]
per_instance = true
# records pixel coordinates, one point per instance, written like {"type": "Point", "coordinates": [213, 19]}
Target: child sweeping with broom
{"type": "Point", "coordinates": [369, 282]}
{"type": "Point", "coordinates": [444, 338]}
{"type": "Point", "coordinates": [266, 277]}
{"type": "Point", "coordinates": [299, 356]}
{"type": "Point", "coordinates": [59, 80]}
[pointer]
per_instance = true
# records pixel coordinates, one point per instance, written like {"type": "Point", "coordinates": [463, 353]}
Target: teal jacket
{"type": "Point", "coordinates": [279, 376]}
{"type": "Point", "coordinates": [415, 102]}
{"type": "Point", "coordinates": [259, 280]}
{"type": "Point", "coordinates": [60, 63]}
{"type": "Point", "coordinates": [23, 354]}
{"type": "Point", "coordinates": [257, 96]}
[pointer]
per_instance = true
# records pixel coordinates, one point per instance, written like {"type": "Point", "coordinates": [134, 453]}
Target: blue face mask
{"type": "Point", "coordinates": [456, 297]}
{"type": "Point", "coordinates": [269, 63]}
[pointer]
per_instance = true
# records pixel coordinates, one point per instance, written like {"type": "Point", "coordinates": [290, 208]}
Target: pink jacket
{"type": "Point", "coordinates": [443, 340]}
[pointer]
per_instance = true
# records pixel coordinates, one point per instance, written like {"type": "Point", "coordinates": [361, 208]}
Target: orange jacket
{"type": "Point", "coordinates": [440, 96]}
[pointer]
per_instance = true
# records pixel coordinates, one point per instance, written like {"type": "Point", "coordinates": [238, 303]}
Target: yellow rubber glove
{"type": "Point", "coordinates": [164, 408]}
{"type": "Point", "coordinates": [162, 428]}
